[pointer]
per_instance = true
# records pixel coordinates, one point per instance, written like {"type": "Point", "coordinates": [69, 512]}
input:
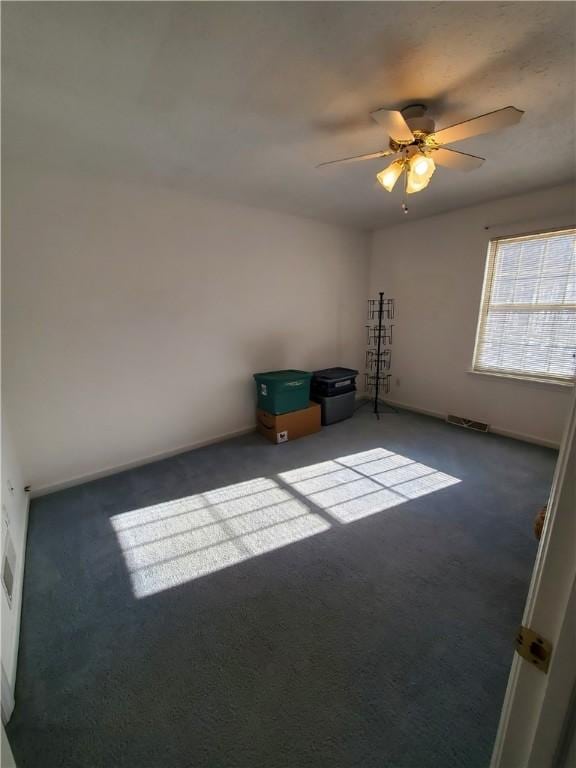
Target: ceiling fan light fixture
{"type": "Point", "coordinates": [420, 171]}
{"type": "Point", "coordinates": [413, 138]}
{"type": "Point", "coordinates": [415, 184]}
{"type": "Point", "coordinates": [422, 165]}
{"type": "Point", "coordinates": [389, 176]}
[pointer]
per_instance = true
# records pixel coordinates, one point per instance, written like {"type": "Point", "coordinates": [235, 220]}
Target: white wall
{"type": "Point", "coordinates": [134, 316]}
{"type": "Point", "coordinates": [14, 524]}
{"type": "Point", "coordinates": [434, 268]}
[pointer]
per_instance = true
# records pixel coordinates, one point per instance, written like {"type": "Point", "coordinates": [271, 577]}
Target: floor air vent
{"type": "Point", "coordinates": [478, 426]}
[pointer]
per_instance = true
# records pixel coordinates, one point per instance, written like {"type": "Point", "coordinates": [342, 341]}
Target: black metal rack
{"type": "Point", "coordinates": [379, 355]}
{"type": "Point", "coordinates": [372, 360]}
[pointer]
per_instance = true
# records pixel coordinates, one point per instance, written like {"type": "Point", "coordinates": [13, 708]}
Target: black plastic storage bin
{"type": "Point", "coordinates": [336, 407]}
{"type": "Point", "coordinates": [333, 381]}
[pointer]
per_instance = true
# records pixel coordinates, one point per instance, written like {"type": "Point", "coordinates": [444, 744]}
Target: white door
{"type": "Point", "coordinates": [538, 706]}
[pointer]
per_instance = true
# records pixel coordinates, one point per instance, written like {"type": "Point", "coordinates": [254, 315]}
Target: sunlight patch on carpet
{"type": "Point", "coordinates": [362, 484]}
{"type": "Point", "coordinates": [168, 544]}
{"type": "Point", "coordinates": [171, 543]}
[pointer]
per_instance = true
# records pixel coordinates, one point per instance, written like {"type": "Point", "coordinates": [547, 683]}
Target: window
{"type": "Point", "coordinates": [527, 323]}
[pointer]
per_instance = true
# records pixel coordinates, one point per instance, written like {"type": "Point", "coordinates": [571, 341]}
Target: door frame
{"type": "Point", "coordinates": [536, 704]}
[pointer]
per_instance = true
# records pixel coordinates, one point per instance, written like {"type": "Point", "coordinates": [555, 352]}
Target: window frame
{"type": "Point", "coordinates": [487, 287]}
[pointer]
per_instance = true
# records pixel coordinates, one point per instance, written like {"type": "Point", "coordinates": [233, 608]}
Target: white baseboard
{"type": "Point", "coordinates": [526, 438]}
{"type": "Point", "coordinates": [495, 429]}
{"type": "Point", "coordinates": [44, 490]}
{"type": "Point", "coordinates": [78, 480]}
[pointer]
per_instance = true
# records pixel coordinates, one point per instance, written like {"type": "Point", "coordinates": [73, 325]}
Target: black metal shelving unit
{"type": "Point", "coordinates": [379, 331]}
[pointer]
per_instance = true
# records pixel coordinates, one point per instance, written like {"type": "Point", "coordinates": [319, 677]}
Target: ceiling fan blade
{"type": "Point", "coordinates": [491, 121]}
{"type": "Point", "coordinates": [355, 158]}
{"type": "Point", "coordinates": [393, 123]}
{"type": "Point", "coordinates": [458, 161]}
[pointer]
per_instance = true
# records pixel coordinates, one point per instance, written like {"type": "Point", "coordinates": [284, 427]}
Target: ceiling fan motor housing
{"type": "Point", "coordinates": [415, 116]}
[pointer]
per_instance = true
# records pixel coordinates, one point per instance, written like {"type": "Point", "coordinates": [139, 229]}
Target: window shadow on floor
{"type": "Point", "coordinates": [168, 544]}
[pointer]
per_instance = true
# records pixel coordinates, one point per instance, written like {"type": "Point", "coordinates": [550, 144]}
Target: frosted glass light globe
{"type": "Point", "coordinates": [421, 166]}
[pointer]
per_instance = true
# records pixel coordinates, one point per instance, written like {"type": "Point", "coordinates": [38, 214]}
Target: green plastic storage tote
{"type": "Point", "coordinates": [283, 391]}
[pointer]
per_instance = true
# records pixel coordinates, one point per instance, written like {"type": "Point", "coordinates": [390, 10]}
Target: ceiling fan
{"type": "Point", "coordinates": [420, 147]}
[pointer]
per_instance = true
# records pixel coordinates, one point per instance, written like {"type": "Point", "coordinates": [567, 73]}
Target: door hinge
{"type": "Point", "coordinates": [534, 648]}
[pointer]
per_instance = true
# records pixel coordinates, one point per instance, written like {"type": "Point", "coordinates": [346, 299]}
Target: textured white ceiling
{"type": "Point", "coordinates": [242, 100]}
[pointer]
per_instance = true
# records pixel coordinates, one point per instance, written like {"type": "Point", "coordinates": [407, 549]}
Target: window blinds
{"type": "Point", "coordinates": [527, 324]}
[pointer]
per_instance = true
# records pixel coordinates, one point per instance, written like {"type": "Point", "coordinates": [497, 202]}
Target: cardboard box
{"type": "Point", "coordinates": [289, 426]}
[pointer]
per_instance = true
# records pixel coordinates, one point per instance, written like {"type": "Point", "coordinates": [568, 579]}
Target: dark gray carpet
{"type": "Point", "coordinates": [381, 643]}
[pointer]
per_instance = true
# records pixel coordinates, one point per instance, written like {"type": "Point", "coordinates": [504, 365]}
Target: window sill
{"type": "Point", "coordinates": [527, 379]}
